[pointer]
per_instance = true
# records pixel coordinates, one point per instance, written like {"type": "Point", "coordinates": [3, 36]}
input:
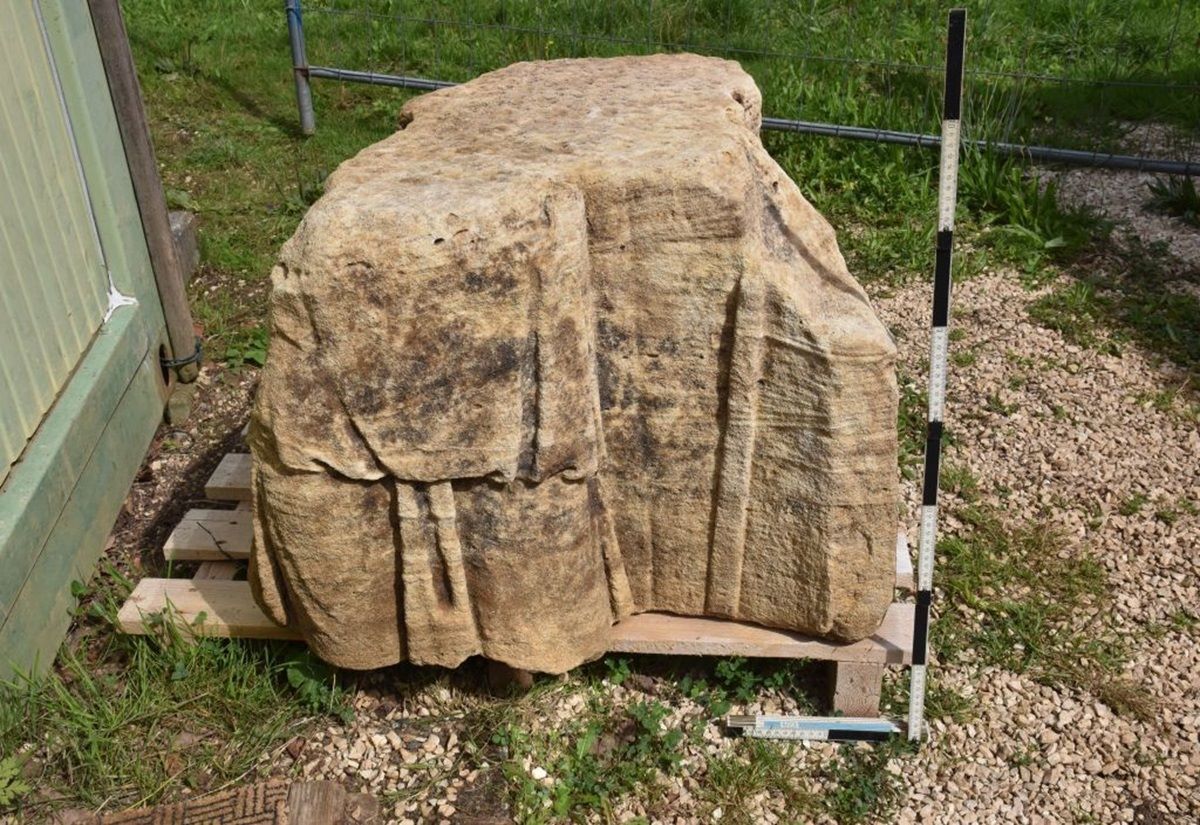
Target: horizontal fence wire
{"type": "Point", "coordinates": [1087, 82]}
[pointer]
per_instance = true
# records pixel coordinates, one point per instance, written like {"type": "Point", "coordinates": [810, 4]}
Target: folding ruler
{"type": "Point", "coordinates": [843, 729]}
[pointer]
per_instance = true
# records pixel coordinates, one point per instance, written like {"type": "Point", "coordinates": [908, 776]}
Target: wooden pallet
{"type": "Point", "coordinates": [213, 603]}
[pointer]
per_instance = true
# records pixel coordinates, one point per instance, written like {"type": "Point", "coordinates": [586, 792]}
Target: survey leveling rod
{"type": "Point", "coordinates": [846, 729]}
{"type": "Point", "coordinates": [947, 200]}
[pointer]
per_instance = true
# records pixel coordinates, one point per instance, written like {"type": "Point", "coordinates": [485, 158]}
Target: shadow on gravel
{"type": "Point", "coordinates": [1127, 291]}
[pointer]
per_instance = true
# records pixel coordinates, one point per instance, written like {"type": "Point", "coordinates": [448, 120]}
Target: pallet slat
{"type": "Point", "coordinates": [210, 535]}
{"type": "Point", "coordinates": [231, 480]}
{"type": "Point", "coordinates": [217, 570]}
{"type": "Point", "coordinates": [215, 536]}
{"type": "Point", "coordinates": [217, 607]}
{"type": "Point", "coordinates": [201, 607]}
{"type": "Point", "coordinates": [693, 636]}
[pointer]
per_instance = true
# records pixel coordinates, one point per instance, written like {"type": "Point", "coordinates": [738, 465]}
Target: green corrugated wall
{"type": "Point", "coordinates": [55, 285]}
{"type": "Point", "coordinates": [80, 394]}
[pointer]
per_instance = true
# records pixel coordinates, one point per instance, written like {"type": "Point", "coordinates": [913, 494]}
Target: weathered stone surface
{"type": "Point", "coordinates": [567, 346]}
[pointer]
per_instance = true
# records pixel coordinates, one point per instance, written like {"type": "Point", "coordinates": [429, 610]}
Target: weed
{"type": "Point", "coordinates": [942, 702]}
{"type": "Point", "coordinates": [1016, 597]}
{"type": "Point", "coordinates": [618, 669]}
{"type": "Point", "coordinates": [964, 358]}
{"type": "Point", "coordinates": [127, 719]}
{"type": "Point", "coordinates": [1125, 696]}
{"type": "Point", "coordinates": [1074, 311]}
{"type": "Point", "coordinates": [589, 763]}
{"type": "Point", "coordinates": [755, 767]}
{"type": "Point", "coordinates": [1020, 214]}
{"type": "Point", "coordinates": [744, 683]}
{"type": "Point", "coordinates": [863, 786]}
{"type": "Point", "coordinates": [995, 404]}
{"type": "Point", "coordinates": [958, 479]}
{"type": "Point", "coordinates": [248, 348]}
{"type": "Point", "coordinates": [1025, 757]}
{"type": "Point", "coordinates": [1167, 515]}
{"type": "Point", "coordinates": [1124, 291]}
{"type": "Point", "coordinates": [12, 786]}
{"type": "Point", "coordinates": [1133, 505]}
{"type": "Point", "coordinates": [316, 685]}
{"type": "Point", "coordinates": [1176, 196]}
{"type": "Point", "coordinates": [1183, 620]}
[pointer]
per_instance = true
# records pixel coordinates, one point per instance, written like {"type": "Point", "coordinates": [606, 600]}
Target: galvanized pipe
{"type": "Point", "coordinates": [374, 79]}
{"type": "Point", "coordinates": [300, 71]}
{"type": "Point", "coordinates": [1045, 154]}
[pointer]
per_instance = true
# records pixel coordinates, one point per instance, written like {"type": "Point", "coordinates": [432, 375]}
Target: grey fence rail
{"type": "Point", "coordinates": [1123, 94]}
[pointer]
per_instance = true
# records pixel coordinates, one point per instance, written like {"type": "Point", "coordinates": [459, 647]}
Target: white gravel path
{"type": "Point", "coordinates": [1034, 754]}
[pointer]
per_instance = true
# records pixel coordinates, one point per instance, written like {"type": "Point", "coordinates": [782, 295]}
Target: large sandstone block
{"type": "Point", "coordinates": [567, 346]}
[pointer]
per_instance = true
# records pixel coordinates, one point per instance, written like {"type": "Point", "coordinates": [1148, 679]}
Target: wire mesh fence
{"type": "Point", "coordinates": [1100, 82]}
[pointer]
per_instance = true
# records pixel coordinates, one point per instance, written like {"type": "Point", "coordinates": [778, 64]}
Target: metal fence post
{"type": "Point", "coordinates": [308, 120]}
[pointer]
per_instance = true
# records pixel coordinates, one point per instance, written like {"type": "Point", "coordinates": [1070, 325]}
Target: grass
{"type": "Point", "coordinates": [1126, 292]}
{"type": "Point", "coordinates": [606, 751]}
{"type": "Point", "coordinates": [1177, 197]}
{"type": "Point", "coordinates": [123, 720]}
{"type": "Point", "coordinates": [1018, 597]}
{"type": "Point", "coordinates": [592, 761]}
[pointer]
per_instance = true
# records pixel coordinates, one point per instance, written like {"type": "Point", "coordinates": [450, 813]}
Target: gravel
{"type": "Point", "coordinates": [1121, 196]}
{"type": "Point", "coordinates": [1035, 754]}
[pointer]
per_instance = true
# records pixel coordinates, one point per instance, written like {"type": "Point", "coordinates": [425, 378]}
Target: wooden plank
{"type": "Point", "coordinates": [143, 171]}
{"type": "Point", "coordinates": [98, 141]}
{"type": "Point", "coordinates": [203, 607]}
{"type": "Point", "coordinates": [231, 480]}
{"type": "Point", "coordinates": [210, 535]}
{"type": "Point", "coordinates": [691, 636]}
{"type": "Point", "coordinates": [230, 610]}
{"type": "Point", "coordinates": [856, 688]}
{"type": "Point", "coordinates": [40, 485]}
{"type": "Point", "coordinates": [55, 286]}
{"type": "Point", "coordinates": [221, 570]}
{"type": "Point", "coordinates": [315, 803]}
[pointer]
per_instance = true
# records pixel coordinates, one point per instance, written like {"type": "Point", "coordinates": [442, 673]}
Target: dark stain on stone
{"type": "Point", "coordinates": [607, 380]}
{"type": "Point", "coordinates": [610, 337]}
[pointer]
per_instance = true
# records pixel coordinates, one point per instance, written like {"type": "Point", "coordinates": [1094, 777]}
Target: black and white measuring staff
{"type": "Point", "coordinates": [847, 729]}
{"type": "Point", "coordinates": [814, 728]}
{"type": "Point", "coordinates": [947, 200]}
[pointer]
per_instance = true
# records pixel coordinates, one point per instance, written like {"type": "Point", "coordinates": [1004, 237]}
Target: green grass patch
{"type": "Point", "coordinates": [733, 780]}
{"type": "Point", "coordinates": [1017, 596]}
{"type": "Point", "coordinates": [1123, 292]}
{"type": "Point", "coordinates": [1177, 197]}
{"type": "Point", "coordinates": [589, 762]}
{"type": "Point", "coordinates": [125, 720]}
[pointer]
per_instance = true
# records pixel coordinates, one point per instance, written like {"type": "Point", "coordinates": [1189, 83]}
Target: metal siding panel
{"type": "Point", "coordinates": [51, 267]}
{"type": "Point", "coordinates": [33, 625]}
